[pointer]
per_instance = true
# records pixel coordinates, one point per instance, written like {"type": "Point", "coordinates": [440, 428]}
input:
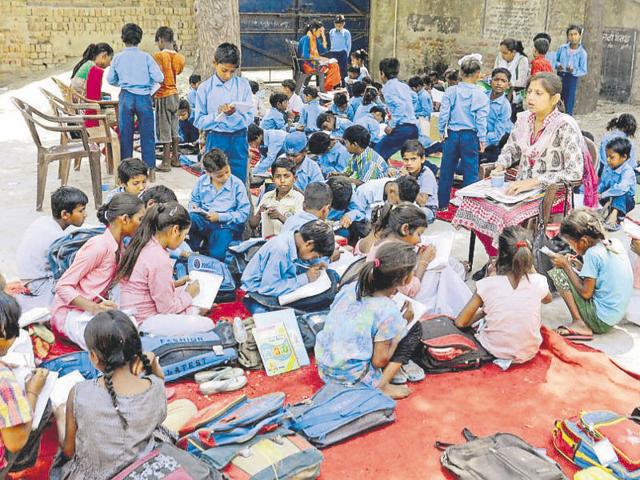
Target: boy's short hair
{"type": "Point", "coordinates": [277, 98]}
{"type": "Point", "coordinates": [319, 143]}
{"type": "Point", "coordinates": [412, 146]}
{"type": "Point", "coordinates": [451, 75]}
{"type": "Point", "coordinates": [322, 118]}
{"type": "Point", "coordinates": [339, 19]}
{"type": "Point", "coordinates": [131, 34]}
{"type": "Point", "coordinates": [358, 88]}
{"type": "Point", "coordinates": [283, 162]}
{"type": "Point", "coordinates": [317, 195]}
{"type": "Point", "coordinates": [357, 134]}
{"type": "Point", "coordinates": [66, 199]}
{"type": "Point", "coordinates": [427, 80]}
{"type": "Point", "coordinates": [255, 86]}
{"type": "Point", "coordinates": [164, 33]}
{"type": "Point", "coordinates": [214, 160]}
{"type": "Point", "coordinates": [131, 167]}
{"type": "Point", "coordinates": [390, 67]}
{"type": "Point", "coordinates": [184, 104]}
{"type": "Point", "coordinates": [311, 91]}
{"type": "Point", "coordinates": [195, 78]}
{"type": "Point", "coordinates": [321, 233]}
{"type": "Point", "coordinates": [620, 145]}
{"type": "Point", "coordinates": [353, 69]}
{"type": "Point", "coordinates": [367, 81]}
{"type": "Point", "coordinates": [10, 313]}
{"type": "Point", "coordinates": [541, 45]}
{"type": "Point", "coordinates": [227, 53]}
{"type": "Point", "coordinates": [408, 188]}
{"type": "Point", "coordinates": [378, 109]}
{"type": "Point", "coordinates": [544, 35]}
{"type": "Point", "coordinates": [415, 81]}
{"type": "Point", "coordinates": [341, 192]}
{"type": "Point", "coordinates": [504, 71]}
{"type": "Point", "coordinates": [469, 66]}
{"type": "Point", "coordinates": [340, 99]}
{"type": "Point", "coordinates": [253, 132]}
{"type": "Point", "coordinates": [159, 194]}
{"type": "Point", "coordinates": [289, 84]}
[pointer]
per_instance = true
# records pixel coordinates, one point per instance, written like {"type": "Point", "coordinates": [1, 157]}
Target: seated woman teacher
{"type": "Point", "coordinates": [308, 48]}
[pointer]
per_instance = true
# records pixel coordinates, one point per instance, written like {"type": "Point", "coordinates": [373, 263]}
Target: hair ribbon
{"type": "Point", "coordinates": [376, 262]}
{"type": "Point", "coordinates": [522, 244]}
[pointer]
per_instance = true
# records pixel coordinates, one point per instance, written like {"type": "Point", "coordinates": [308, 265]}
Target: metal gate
{"type": "Point", "coordinates": [265, 24]}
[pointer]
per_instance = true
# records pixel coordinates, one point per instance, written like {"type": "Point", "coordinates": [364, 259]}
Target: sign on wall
{"type": "Point", "coordinates": [618, 62]}
{"type": "Point", "coordinates": [519, 19]}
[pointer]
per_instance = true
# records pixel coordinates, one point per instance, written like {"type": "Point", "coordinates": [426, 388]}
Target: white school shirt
{"type": "Point", "coordinates": [288, 206]}
{"type": "Point", "coordinates": [295, 104]}
{"type": "Point", "coordinates": [32, 252]}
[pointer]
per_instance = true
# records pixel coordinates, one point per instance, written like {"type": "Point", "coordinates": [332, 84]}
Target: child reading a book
{"type": "Point", "coordinates": [509, 301]}
{"type": "Point", "coordinates": [279, 204]}
{"type": "Point", "coordinates": [332, 156]}
{"type": "Point", "coordinates": [133, 174]}
{"type": "Point", "coordinates": [365, 338]}
{"type": "Point", "coordinates": [316, 206]}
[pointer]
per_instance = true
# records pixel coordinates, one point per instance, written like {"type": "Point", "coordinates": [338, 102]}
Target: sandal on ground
{"type": "Point", "coordinates": [219, 373]}
{"type": "Point", "coordinates": [413, 372]}
{"type": "Point", "coordinates": [399, 378]}
{"type": "Point", "coordinates": [219, 386]}
{"type": "Point", "coordinates": [612, 227]}
{"type": "Point", "coordinates": [572, 335]}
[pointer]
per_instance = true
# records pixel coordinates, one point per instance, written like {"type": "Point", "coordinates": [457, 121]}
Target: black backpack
{"type": "Point", "coordinates": [501, 456]}
{"type": "Point", "coordinates": [446, 348]}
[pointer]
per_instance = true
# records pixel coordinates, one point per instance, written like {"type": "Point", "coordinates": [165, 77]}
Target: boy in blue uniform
{"type": "Point", "coordinates": [136, 73]}
{"type": "Point", "coordinates": [186, 131]}
{"type": "Point", "coordinates": [295, 146]}
{"type": "Point", "coordinates": [499, 123]}
{"type": "Point", "coordinates": [399, 99]}
{"type": "Point", "coordinates": [271, 145]}
{"type": "Point", "coordinates": [224, 125]}
{"type": "Point", "coordinates": [310, 110]}
{"type": "Point", "coordinates": [334, 126]}
{"type": "Point", "coordinates": [194, 82]}
{"type": "Point", "coordinates": [219, 207]}
{"type": "Point", "coordinates": [340, 105]}
{"type": "Point", "coordinates": [332, 156]}
{"type": "Point", "coordinates": [371, 121]}
{"type": "Point", "coordinates": [317, 202]}
{"type": "Point", "coordinates": [423, 106]}
{"type": "Point", "coordinates": [340, 39]}
{"type": "Point", "coordinates": [275, 119]}
{"type": "Point", "coordinates": [618, 182]}
{"type": "Point", "coordinates": [355, 101]}
{"type": "Point", "coordinates": [571, 64]}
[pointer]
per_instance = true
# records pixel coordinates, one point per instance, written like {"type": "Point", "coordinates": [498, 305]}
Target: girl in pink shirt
{"type": "Point", "coordinates": [509, 301]}
{"type": "Point", "coordinates": [160, 305]}
{"type": "Point", "coordinates": [83, 288]}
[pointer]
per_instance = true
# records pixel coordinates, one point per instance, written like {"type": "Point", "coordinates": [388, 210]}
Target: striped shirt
{"type": "Point", "coordinates": [14, 407]}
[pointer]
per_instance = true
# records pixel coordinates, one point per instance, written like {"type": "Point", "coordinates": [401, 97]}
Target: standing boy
{"type": "Point", "coordinates": [399, 100]}
{"type": "Point", "coordinates": [340, 39]}
{"type": "Point", "coordinates": [225, 125]}
{"type": "Point", "coordinates": [136, 73]}
{"type": "Point", "coordinates": [499, 123]}
{"type": "Point", "coordinates": [166, 98]}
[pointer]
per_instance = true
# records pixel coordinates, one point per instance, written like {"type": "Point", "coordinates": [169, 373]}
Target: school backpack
{"type": "Point", "coordinates": [337, 412]}
{"type": "Point", "coordinates": [501, 456]}
{"type": "Point", "coordinates": [182, 356]}
{"type": "Point", "coordinates": [277, 455]}
{"type": "Point", "coordinates": [65, 364]}
{"type": "Point", "coordinates": [248, 353]}
{"type": "Point", "coordinates": [310, 325]}
{"type": "Point", "coordinates": [239, 255]}
{"type": "Point", "coordinates": [239, 423]}
{"type": "Point", "coordinates": [446, 348]}
{"type": "Point", "coordinates": [63, 250]}
{"type": "Point", "coordinates": [202, 263]}
{"type": "Point", "coordinates": [602, 439]}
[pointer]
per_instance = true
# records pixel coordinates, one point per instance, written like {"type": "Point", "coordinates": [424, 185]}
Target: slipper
{"type": "Point", "coordinates": [219, 386]}
{"type": "Point", "coordinates": [413, 372]}
{"type": "Point", "coordinates": [399, 378]}
{"type": "Point", "coordinates": [572, 335]}
{"type": "Point", "coordinates": [219, 373]}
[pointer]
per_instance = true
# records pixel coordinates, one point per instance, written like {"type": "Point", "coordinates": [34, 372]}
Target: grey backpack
{"type": "Point", "coordinates": [502, 456]}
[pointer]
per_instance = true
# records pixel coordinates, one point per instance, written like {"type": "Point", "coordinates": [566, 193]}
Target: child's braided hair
{"type": "Point", "coordinates": [113, 338]}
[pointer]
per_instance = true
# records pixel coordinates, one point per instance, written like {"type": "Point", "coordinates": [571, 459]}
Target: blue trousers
{"type": "Point", "coordinates": [393, 142]}
{"type": "Point", "coordinates": [569, 90]}
{"type": "Point", "coordinates": [624, 203]}
{"type": "Point", "coordinates": [236, 146]}
{"type": "Point", "coordinates": [459, 146]}
{"type": "Point", "coordinates": [343, 60]}
{"type": "Point", "coordinates": [212, 238]}
{"type": "Point", "coordinates": [134, 106]}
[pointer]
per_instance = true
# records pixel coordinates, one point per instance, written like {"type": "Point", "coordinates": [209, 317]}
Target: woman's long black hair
{"type": "Point", "coordinates": [90, 54]}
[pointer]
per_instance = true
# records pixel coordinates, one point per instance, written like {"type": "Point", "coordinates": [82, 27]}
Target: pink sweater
{"type": "Point", "coordinates": [149, 290]}
{"type": "Point", "coordinates": [412, 288]}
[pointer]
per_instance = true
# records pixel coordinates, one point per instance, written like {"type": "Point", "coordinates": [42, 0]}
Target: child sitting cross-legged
{"type": "Point", "coordinates": [365, 339]}
{"type": "Point", "coordinates": [187, 133]}
{"type": "Point", "coordinates": [332, 156]}
{"type": "Point", "coordinates": [316, 205]}
{"type": "Point", "coordinates": [279, 204]}
{"type": "Point", "coordinates": [219, 207]}
{"type": "Point", "coordinates": [618, 182]}
{"type": "Point", "coordinates": [133, 174]}
{"type": "Point", "coordinates": [509, 301]}
{"type": "Point", "coordinates": [145, 273]}
{"type": "Point", "coordinates": [113, 420]}
{"type": "Point", "coordinates": [365, 164]}
{"type": "Point", "coordinates": [275, 119]}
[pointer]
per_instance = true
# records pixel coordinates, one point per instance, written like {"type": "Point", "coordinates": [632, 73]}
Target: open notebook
{"type": "Point", "coordinates": [321, 285]}
{"type": "Point", "coordinates": [444, 244]}
{"type": "Point", "coordinates": [209, 286]}
{"type": "Point", "coordinates": [419, 309]}
{"type": "Point", "coordinates": [484, 189]}
{"type": "Point", "coordinates": [631, 228]}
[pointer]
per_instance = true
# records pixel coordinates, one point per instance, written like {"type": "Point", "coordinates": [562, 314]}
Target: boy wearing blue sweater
{"type": "Point", "coordinates": [331, 155]}
{"type": "Point", "coordinates": [310, 110]}
{"type": "Point", "coordinates": [618, 182]}
{"type": "Point", "coordinates": [499, 123]}
{"type": "Point", "coordinates": [463, 125]}
{"type": "Point", "coordinates": [219, 207]}
{"type": "Point", "coordinates": [275, 119]}
{"type": "Point", "coordinates": [137, 74]}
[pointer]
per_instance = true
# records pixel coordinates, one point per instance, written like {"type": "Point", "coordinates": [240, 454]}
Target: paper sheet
{"type": "Point", "coordinates": [484, 189]}
{"type": "Point", "coordinates": [63, 386]}
{"type": "Point", "coordinates": [322, 284]}
{"type": "Point", "coordinates": [632, 229]}
{"type": "Point", "coordinates": [419, 309]}
{"type": "Point", "coordinates": [35, 315]}
{"type": "Point", "coordinates": [343, 263]}
{"type": "Point", "coordinates": [444, 244]}
{"type": "Point", "coordinates": [246, 245]}
{"type": "Point", "coordinates": [241, 107]}
{"type": "Point", "coordinates": [43, 398]}
{"type": "Point", "coordinates": [209, 286]}
{"type": "Point", "coordinates": [288, 319]}
{"type": "Point", "coordinates": [437, 95]}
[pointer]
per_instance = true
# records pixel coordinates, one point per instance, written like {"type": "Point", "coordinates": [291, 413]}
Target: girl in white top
{"type": "Point", "coordinates": [509, 301]}
{"type": "Point", "coordinates": [513, 58]}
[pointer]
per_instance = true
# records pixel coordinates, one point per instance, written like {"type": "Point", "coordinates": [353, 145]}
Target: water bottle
{"type": "Point", "coordinates": [239, 331]}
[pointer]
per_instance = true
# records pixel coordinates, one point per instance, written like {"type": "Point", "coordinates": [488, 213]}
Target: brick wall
{"type": "Point", "coordinates": [36, 35]}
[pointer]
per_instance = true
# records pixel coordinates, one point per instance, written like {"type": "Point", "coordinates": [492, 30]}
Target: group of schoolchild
{"type": "Point", "coordinates": [328, 176]}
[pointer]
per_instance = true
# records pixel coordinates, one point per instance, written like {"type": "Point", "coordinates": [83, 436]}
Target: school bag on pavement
{"type": "Point", "coordinates": [446, 348]}
{"type": "Point", "coordinates": [601, 439]}
{"type": "Point", "coordinates": [277, 455]}
{"type": "Point", "coordinates": [501, 456]}
{"type": "Point", "coordinates": [337, 412]}
{"type": "Point", "coordinates": [238, 423]}
{"type": "Point", "coordinates": [63, 250]}
{"type": "Point", "coordinates": [182, 356]}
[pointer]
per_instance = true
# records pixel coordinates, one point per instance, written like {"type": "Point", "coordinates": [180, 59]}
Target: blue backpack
{"type": "Point", "coordinates": [63, 250]}
{"type": "Point", "coordinates": [337, 412]}
{"type": "Point", "coordinates": [66, 364]}
{"type": "Point", "coordinates": [202, 263]}
{"type": "Point", "coordinates": [182, 356]}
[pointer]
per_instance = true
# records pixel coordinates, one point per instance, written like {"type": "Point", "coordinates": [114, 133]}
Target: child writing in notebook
{"type": "Point", "coordinates": [125, 406]}
{"type": "Point", "coordinates": [598, 295]}
{"type": "Point", "coordinates": [133, 175]}
{"type": "Point", "coordinates": [331, 155]}
{"type": "Point", "coordinates": [371, 121]}
{"type": "Point", "coordinates": [84, 289]}
{"type": "Point", "coordinates": [509, 301]}
{"type": "Point", "coordinates": [219, 207]}
{"type": "Point", "coordinates": [145, 272]}
{"type": "Point", "coordinates": [365, 339]}
{"type": "Point", "coordinates": [316, 206]}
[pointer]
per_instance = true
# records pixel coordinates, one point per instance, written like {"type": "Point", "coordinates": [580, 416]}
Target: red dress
{"type": "Point", "coordinates": [540, 64]}
{"type": "Point", "coordinates": [94, 91]}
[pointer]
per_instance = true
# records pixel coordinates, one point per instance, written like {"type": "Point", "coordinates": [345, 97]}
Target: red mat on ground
{"type": "Point", "coordinates": [525, 400]}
